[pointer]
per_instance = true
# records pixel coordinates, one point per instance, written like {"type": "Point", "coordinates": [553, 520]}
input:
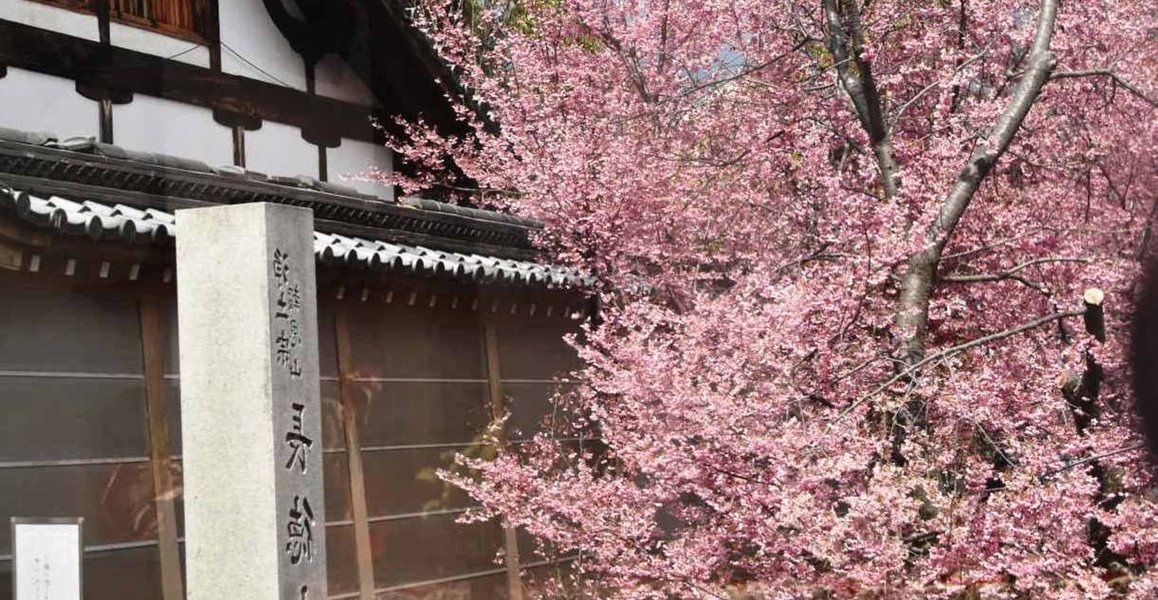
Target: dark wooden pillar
{"type": "Point", "coordinates": [106, 98]}
{"type": "Point", "coordinates": [238, 123]}
{"type": "Point", "coordinates": [153, 344]}
{"type": "Point", "coordinates": [317, 136]}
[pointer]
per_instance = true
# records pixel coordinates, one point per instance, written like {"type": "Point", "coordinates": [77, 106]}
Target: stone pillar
{"type": "Point", "coordinates": [250, 403]}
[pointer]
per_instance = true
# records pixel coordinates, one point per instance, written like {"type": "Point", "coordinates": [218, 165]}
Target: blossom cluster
{"type": "Point", "coordinates": [748, 427]}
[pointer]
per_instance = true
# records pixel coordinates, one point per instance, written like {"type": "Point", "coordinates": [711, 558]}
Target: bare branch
{"type": "Point", "coordinates": [992, 245]}
{"type": "Point", "coordinates": [482, 191]}
{"type": "Point", "coordinates": [1033, 285]}
{"type": "Point", "coordinates": [948, 352]}
{"type": "Point", "coordinates": [1011, 273]}
{"type": "Point", "coordinates": [996, 447]}
{"type": "Point", "coordinates": [1118, 79]}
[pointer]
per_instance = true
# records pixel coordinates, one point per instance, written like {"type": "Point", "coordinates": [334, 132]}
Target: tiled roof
{"type": "Point", "coordinates": [51, 165]}
{"type": "Point", "coordinates": [119, 222]}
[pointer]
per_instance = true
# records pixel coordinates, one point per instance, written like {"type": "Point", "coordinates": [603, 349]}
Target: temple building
{"type": "Point", "coordinates": [434, 319]}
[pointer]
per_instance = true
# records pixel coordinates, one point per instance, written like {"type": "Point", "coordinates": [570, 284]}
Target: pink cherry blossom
{"type": "Point", "coordinates": [840, 249]}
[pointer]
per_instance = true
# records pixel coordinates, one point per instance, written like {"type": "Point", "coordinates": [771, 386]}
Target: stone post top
{"type": "Point", "coordinates": [245, 206]}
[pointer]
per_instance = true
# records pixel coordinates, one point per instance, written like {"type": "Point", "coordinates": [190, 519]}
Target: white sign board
{"type": "Point", "coordinates": [46, 557]}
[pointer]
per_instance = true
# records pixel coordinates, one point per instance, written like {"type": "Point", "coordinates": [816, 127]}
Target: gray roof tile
{"type": "Point", "coordinates": [101, 221]}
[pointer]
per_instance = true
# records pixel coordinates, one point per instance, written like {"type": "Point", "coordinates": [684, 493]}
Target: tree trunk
{"type": "Point", "coordinates": [845, 40]}
{"type": "Point", "coordinates": [920, 275]}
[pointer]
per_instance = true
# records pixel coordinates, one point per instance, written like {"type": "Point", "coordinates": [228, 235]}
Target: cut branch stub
{"type": "Point", "coordinates": [1095, 316]}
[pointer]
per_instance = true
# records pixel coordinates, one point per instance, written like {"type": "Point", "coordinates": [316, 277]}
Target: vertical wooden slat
{"type": "Point", "coordinates": [353, 433]}
{"type": "Point", "coordinates": [495, 386]}
{"type": "Point", "coordinates": [153, 344]}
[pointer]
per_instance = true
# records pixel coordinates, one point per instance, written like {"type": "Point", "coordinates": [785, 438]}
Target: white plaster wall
{"type": "Point", "coordinates": [247, 30]}
{"type": "Point", "coordinates": [278, 149]}
{"type": "Point", "coordinates": [346, 162]}
{"type": "Point", "coordinates": [50, 17]}
{"type": "Point", "coordinates": [150, 42]}
{"type": "Point", "coordinates": [37, 102]}
{"type": "Point", "coordinates": [166, 127]}
{"type": "Point", "coordinates": [334, 79]}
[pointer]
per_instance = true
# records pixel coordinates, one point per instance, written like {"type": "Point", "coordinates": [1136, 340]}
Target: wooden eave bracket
{"type": "Point", "coordinates": [12, 231]}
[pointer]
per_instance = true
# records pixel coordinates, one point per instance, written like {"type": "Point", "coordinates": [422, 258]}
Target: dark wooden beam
{"type": "Point", "coordinates": [311, 71]}
{"type": "Point", "coordinates": [11, 256]}
{"type": "Point", "coordinates": [62, 55]}
{"type": "Point", "coordinates": [14, 230]}
{"type": "Point", "coordinates": [238, 125]}
{"type": "Point", "coordinates": [98, 92]}
{"type": "Point", "coordinates": [318, 136]}
{"type": "Point", "coordinates": [369, 218]}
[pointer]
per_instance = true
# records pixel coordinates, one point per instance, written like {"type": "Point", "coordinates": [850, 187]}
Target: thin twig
{"type": "Point", "coordinates": [996, 446]}
{"type": "Point", "coordinates": [1077, 463]}
{"type": "Point", "coordinates": [918, 95]}
{"type": "Point", "coordinates": [738, 476]}
{"type": "Point", "coordinates": [1011, 272]}
{"type": "Point", "coordinates": [1106, 73]}
{"type": "Point", "coordinates": [992, 245]}
{"type": "Point", "coordinates": [956, 350]}
{"type": "Point", "coordinates": [744, 72]}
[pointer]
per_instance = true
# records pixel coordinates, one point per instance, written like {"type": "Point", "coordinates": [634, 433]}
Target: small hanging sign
{"type": "Point", "coordinates": [46, 558]}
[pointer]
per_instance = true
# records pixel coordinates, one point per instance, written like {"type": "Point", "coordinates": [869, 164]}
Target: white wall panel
{"type": "Point", "coordinates": [247, 30]}
{"type": "Point", "coordinates": [334, 79]}
{"type": "Point", "coordinates": [278, 149]}
{"type": "Point", "coordinates": [354, 158]}
{"type": "Point", "coordinates": [51, 17]}
{"type": "Point", "coordinates": [150, 42]}
{"type": "Point", "coordinates": [38, 102]}
{"type": "Point", "coordinates": [167, 127]}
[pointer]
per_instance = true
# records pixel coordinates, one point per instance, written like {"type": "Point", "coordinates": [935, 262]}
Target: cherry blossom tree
{"type": "Point", "coordinates": [865, 276]}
